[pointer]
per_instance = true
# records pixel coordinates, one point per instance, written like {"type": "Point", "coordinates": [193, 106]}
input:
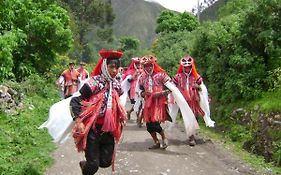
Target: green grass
{"type": "Point", "coordinates": [257, 162]}
{"type": "Point", "coordinates": [24, 149]}
{"type": "Point", "coordinates": [270, 101]}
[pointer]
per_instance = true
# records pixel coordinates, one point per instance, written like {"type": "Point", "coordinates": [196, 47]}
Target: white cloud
{"type": "Point", "coordinates": [177, 5]}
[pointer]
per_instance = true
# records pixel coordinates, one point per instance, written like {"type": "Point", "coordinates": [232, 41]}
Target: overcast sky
{"type": "Point", "coordinates": [177, 5]}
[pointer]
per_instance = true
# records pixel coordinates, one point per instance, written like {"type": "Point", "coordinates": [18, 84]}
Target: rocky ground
{"type": "Point", "coordinates": [134, 157]}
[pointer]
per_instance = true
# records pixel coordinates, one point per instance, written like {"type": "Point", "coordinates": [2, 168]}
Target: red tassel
{"type": "Point", "coordinates": [108, 124]}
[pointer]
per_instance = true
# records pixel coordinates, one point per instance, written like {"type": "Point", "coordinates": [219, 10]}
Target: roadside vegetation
{"type": "Point", "coordinates": [24, 149]}
{"type": "Point", "coordinates": [238, 56]}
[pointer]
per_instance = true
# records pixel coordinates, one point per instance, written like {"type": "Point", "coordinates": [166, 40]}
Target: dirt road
{"type": "Point", "coordinates": [134, 157]}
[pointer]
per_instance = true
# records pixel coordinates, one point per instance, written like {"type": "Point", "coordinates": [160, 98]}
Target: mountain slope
{"type": "Point", "coordinates": [211, 13]}
{"type": "Point", "coordinates": [136, 18]}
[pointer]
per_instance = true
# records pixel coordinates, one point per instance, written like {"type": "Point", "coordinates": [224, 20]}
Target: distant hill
{"type": "Point", "coordinates": [211, 13]}
{"type": "Point", "coordinates": [136, 18]}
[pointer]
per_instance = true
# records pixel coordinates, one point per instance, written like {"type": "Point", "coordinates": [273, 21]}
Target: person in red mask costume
{"type": "Point", "coordinates": [154, 92]}
{"type": "Point", "coordinates": [188, 81]}
{"type": "Point", "coordinates": [132, 74]}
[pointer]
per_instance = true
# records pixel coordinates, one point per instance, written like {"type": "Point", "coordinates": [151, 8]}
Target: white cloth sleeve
{"type": "Point", "coordinates": [189, 119]}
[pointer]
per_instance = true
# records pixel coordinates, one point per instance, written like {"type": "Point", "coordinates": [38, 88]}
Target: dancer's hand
{"type": "Point", "coordinates": [123, 123]}
{"type": "Point", "coordinates": [145, 94]}
{"type": "Point", "coordinates": [79, 125]}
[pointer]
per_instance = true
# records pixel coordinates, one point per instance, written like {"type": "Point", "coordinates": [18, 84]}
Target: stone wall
{"type": "Point", "coordinates": [10, 100]}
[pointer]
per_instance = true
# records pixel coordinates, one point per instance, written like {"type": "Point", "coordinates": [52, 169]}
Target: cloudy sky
{"type": "Point", "coordinates": [177, 5]}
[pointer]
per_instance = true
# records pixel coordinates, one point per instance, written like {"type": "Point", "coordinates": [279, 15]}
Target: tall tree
{"type": "Point", "coordinates": [169, 21]}
{"type": "Point", "coordinates": [95, 16]}
{"type": "Point", "coordinates": [32, 33]}
{"type": "Point", "coordinates": [201, 6]}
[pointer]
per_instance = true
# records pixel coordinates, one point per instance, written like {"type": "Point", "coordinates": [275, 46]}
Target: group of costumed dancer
{"type": "Point", "coordinates": [97, 114]}
{"type": "Point", "coordinates": [71, 79]}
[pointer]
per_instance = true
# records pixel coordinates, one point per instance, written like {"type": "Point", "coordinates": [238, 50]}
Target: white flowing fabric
{"type": "Point", "coordinates": [138, 97]}
{"type": "Point", "coordinates": [60, 121]}
{"type": "Point", "coordinates": [189, 119]}
{"type": "Point", "coordinates": [82, 82]}
{"type": "Point", "coordinates": [125, 86]}
{"type": "Point", "coordinates": [173, 112]}
{"type": "Point", "coordinates": [204, 104]}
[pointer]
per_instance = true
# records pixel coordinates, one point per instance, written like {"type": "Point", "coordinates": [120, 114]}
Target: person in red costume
{"type": "Point", "coordinates": [151, 84]}
{"type": "Point", "coordinates": [188, 81]}
{"type": "Point", "coordinates": [134, 71]}
{"type": "Point", "coordinates": [99, 116]}
{"type": "Point", "coordinates": [83, 72]}
{"type": "Point", "coordinates": [69, 80]}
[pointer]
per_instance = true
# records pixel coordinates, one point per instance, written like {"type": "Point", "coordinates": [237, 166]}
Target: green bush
{"type": "Point", "coordinates": [25, 150]}
{"type": "Point", "coordinates": [238, 133]}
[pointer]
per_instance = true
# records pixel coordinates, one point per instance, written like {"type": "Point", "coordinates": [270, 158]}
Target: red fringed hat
{"type": "Point", "coordinates": [113, 54]}
{"type": "Point", "coordinates": [105, 54]}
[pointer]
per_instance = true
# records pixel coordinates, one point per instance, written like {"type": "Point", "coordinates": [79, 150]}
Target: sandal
{"type": "Point", "coordinates": [165, 144]}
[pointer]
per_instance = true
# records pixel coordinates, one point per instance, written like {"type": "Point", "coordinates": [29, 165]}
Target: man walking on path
{"type": "Point", "coordinates": [99, 116]}
{"type": "Point", "coordinates": [69, 79]}
{"type": "Point", "coordinates": [84, 74]}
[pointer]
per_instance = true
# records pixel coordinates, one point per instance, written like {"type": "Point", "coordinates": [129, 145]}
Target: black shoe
{"type": "Point", "coordinates": [82, 164]}
{"type": "Point", "coordinates": [155, 146]}
{"type": "Point", "coordinates": [191, 141]}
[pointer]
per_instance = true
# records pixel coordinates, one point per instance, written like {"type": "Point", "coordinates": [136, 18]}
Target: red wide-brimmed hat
{"type": "Point", "coordinates": [106, 54]}
{"type": "Point", "coordinates": [110, 54]}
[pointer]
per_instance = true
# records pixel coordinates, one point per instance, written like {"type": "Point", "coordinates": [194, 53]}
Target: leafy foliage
{"type": "Point", "coordinates": [239, 60]}
{"type": "Point", "coordinates": [235, 72]}
{"type": "Point", "coordinates": [31, 34]}
{"type": "Point", "coordinates": [25, 150]}
{"type": "Point", "coordinates": [93, 23]}
{"type": "Point", "coordinates": [130, 46]}
{"type": "Point", "coordinates": [169, 21]}
{"type": "Point", "coordinates": [235, 7]}
{"type": "Point", "coordinates": [171, 47]}
{"type": "Point", "coordinates": [262, 32]}
{"type": "Point", "coordinates": [128, 43]}
{"type": "Point", "coordinates": [9, 43]}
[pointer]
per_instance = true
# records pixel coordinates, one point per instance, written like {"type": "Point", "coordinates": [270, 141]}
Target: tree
{"type": "Point", "coordinates": [171, 47]}
{"type": "Point", "coordinates": [130, 47]}
{"type": "Point", "coordinates": [169, 21]}
{"type": "Point", "coordinates": [129, 43]}
{"type": "Point", "coordinates": [91, 16]}
{"type": "Point", "coordinates": [32, 33]}
{"type": "Point", "coordinates": [262, 32]}
{"type": "Point", "coordinates": [201, 6]}
{"type": "Point", "coordinates": [235, 7]}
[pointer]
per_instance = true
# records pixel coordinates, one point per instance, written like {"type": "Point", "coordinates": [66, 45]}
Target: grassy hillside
{"type": "Point", "coordinates": [136, 18]}
{"type": "Point", "coordinates": [211, 13]}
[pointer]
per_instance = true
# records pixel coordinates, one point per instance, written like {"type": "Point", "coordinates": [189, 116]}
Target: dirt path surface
{"type": "Point", "coordinates": [134, 157]}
